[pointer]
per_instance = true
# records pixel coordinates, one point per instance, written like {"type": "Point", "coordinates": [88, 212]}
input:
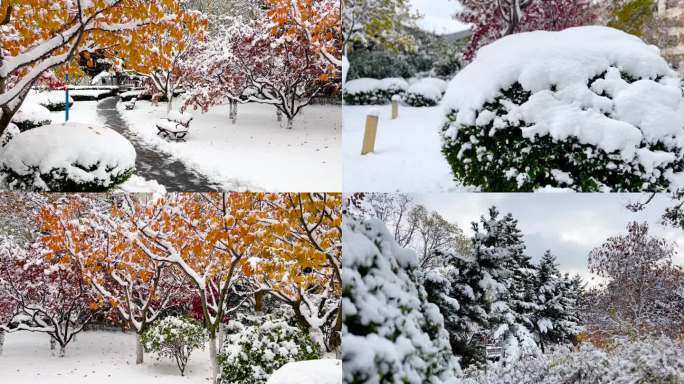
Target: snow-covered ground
{"type": "Point", "coordinates": [407, 155]}
{"type": "Point", "coordinates": [255, 153]}
{"type": "Point", "coordinates": [95, 357]}
{"type": "Point", "coordinates": [326, 371]}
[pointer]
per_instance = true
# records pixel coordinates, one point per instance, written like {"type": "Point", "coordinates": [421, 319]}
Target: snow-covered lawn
{"type": "Point", "coordinates": [95, 357]}
{"type": "Point", "coordinates": [255, 153]}
{"type": "Point", "coordinates": [407, 155]}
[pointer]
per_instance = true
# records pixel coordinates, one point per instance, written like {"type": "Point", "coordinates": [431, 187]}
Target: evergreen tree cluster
{"type": "Point", "coordinates": [496, 295]}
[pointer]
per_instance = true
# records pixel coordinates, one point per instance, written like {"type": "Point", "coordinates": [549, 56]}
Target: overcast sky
{"type": "Point", "coordinates": [571, 225]}
{"type": "Point", "coordinates": [438, 15]}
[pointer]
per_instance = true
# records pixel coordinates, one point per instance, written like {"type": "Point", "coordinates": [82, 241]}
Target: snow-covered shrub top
{"type": "Point", "coordinates": [52, 100]}
{"type": "Point", "coordinates": [595, 86]}
{"type": "Point", "coordinates": [423, 93]}
{"type": "Point", "coordinates": [362, 86]}
{"type": "Point", "coordinates": [71, 153]}
{"type": "Point", "coordinates": [648, 361]}
{"type": "Point", "coordinates": [32, 114]}
{"type": "Point", "coordinates": [257, 350]}
{"type": "Point", "coordinates": [174, 338]}
{"type": "Point", "coordinates": [391, 334]}
{"type": "Point", "coordinates": [327, 371]}
{"type": "Point", "coordinates": [439, 83]}
{"type": "Point", "coordinates": [394, 85]}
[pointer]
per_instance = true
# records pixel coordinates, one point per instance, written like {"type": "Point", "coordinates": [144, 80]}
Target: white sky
{"type": "Point", "coordinates": [568, 224]}
{"type": "Point", "coordinates": [438, 15]}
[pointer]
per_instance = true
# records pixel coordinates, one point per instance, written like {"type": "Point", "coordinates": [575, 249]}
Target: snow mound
{"type": "Point", "coordinates": [391, 334]}
{"type": "Point", "coordinates": [71, 155]}
{"type": "Point", "coordinates": [593, 86]}
{"type": "Point", "coordinates": [325, 371]}
{"type": "Point", "coordinates": [31, 115]}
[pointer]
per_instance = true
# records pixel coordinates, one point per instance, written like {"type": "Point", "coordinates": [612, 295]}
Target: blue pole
{"type": "Point", "coordinates": [67, 97]}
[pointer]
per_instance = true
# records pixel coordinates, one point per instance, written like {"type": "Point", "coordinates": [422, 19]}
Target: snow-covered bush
{"type": "Point", "coordinates": [363, 92]}
{"type": "Point", "coordinates": [31, 115]}
{"type": "Point", "coordinates": [67, 157]}
{"type": "Point", "coordinates": [588, 108]}
{"type": "Point", "coordinates": [393, 86]}
{"type": "Point", "coordinates": [10, 133]}
{"type": "Point", "coordinates": [653, 361]}
{"type": "Point", "coordinates": [325, 371]}
{"type": "Point", "coordinates": [257, 350]}
{"type": "Point", "coordinates": [391, 334]}
{"type": "Point", "coordinates": [373, 91]}
{"type": "Point", "coordinates": [423, 94]}
{"type": "Point", "coordinates": [174, 338]}
{"type": "Point", "coordinates": [52, 100]}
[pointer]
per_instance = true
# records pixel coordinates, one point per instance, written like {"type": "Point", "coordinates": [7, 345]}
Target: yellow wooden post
{"type": "Point", "coordinates": [395, 106]}
{"type": "Point", "coordinates": [370, 132]}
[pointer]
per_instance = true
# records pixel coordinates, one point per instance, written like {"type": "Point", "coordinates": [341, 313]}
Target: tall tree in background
{"type": "Point", "coordinates": [555, 316]}
{"type": "Point", "coordinates": [379, 23]}
{"type": "Point", "coordinates": [639, 273]}
{"type": "Point", "coordinates": [414, 226]}
{"type": "Point", "coordinates": [494, 19]}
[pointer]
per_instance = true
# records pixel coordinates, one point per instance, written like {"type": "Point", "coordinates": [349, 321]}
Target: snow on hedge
{"type": "Point", "coordinates": [67, 157]}
{"type": "Point", "coordinates": [373, 91]}
{"type": "Point", "coordinates": [439, 83]}
{"type": "Point", "coordinates": [391, 334]}
{"type": "Point", "coordinates": [31, 115]}
{"type": "Point", "coordinates": [52, 100]}
{"type": "Point", "coordinates": [423, 94]}
{"type": "Point", "coordinates": [327, 371]}
{"type": "Point", "coordinates": [611, 98]}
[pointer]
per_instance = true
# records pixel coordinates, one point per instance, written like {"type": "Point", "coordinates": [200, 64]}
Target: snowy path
{"type": "Point", "coordinates": [150, 163]}
{"type": "Point", "coordinates": [95, 357]}
{"type": "Point", "coordinates": [407, 157]}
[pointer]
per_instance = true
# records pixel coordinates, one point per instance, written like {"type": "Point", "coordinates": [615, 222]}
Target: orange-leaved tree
{"type": "Point", "coordinates": [91, 230]}
{"type": "Point", "coordinates": [37, 36]}
{"type": "Point", "coordinates": [216, 239]}
{"type": "Point", "coordinates": [161, 59]}
{"type": "Point", "coordinates": [318, 22]}
{"type": "Point", "coordinates": [306, 254]}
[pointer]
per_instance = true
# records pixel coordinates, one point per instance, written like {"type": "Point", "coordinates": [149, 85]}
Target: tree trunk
{"type": "Point", "coordinates": [53, 344]}
{"type": "Point", "coordinates": [2, 340]}
{"type": "Point", "coordinates": [169, 104]}
{"type": "Point", "coordinates": [279, 115]}
{"type": "Point", "coordinates": [62, 350]}
{"type": "Point", "coordinates": [139, 355]}
{"type": "Point", "coordinates": [213, 357]}
{"type": "Point", "coordinates": [318, 337]}
{"type": "Point", "coordinates": [290, 123]}
{"type": "Point", "coordinates": [235, 112]}
{"type": "Point", "coordinates": [221, 337]}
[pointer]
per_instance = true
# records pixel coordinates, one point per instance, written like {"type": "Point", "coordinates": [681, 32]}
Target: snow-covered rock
{"type": "Point", "coordinates": [423, 94]}
{"type": "Point", "coordinates": [391, 334]}
{"type": "Point", "coordinates": [589, 108]}
{"type": "Point", "coordinates": [67, 157]}
{"type": "Point", "coordinates": [31, 115]}
{"type": "Point", "coordinates": [327, 371]}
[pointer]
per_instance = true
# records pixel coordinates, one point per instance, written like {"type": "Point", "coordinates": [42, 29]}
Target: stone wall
{"type": "Point", "coordinates": [673, 11]}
